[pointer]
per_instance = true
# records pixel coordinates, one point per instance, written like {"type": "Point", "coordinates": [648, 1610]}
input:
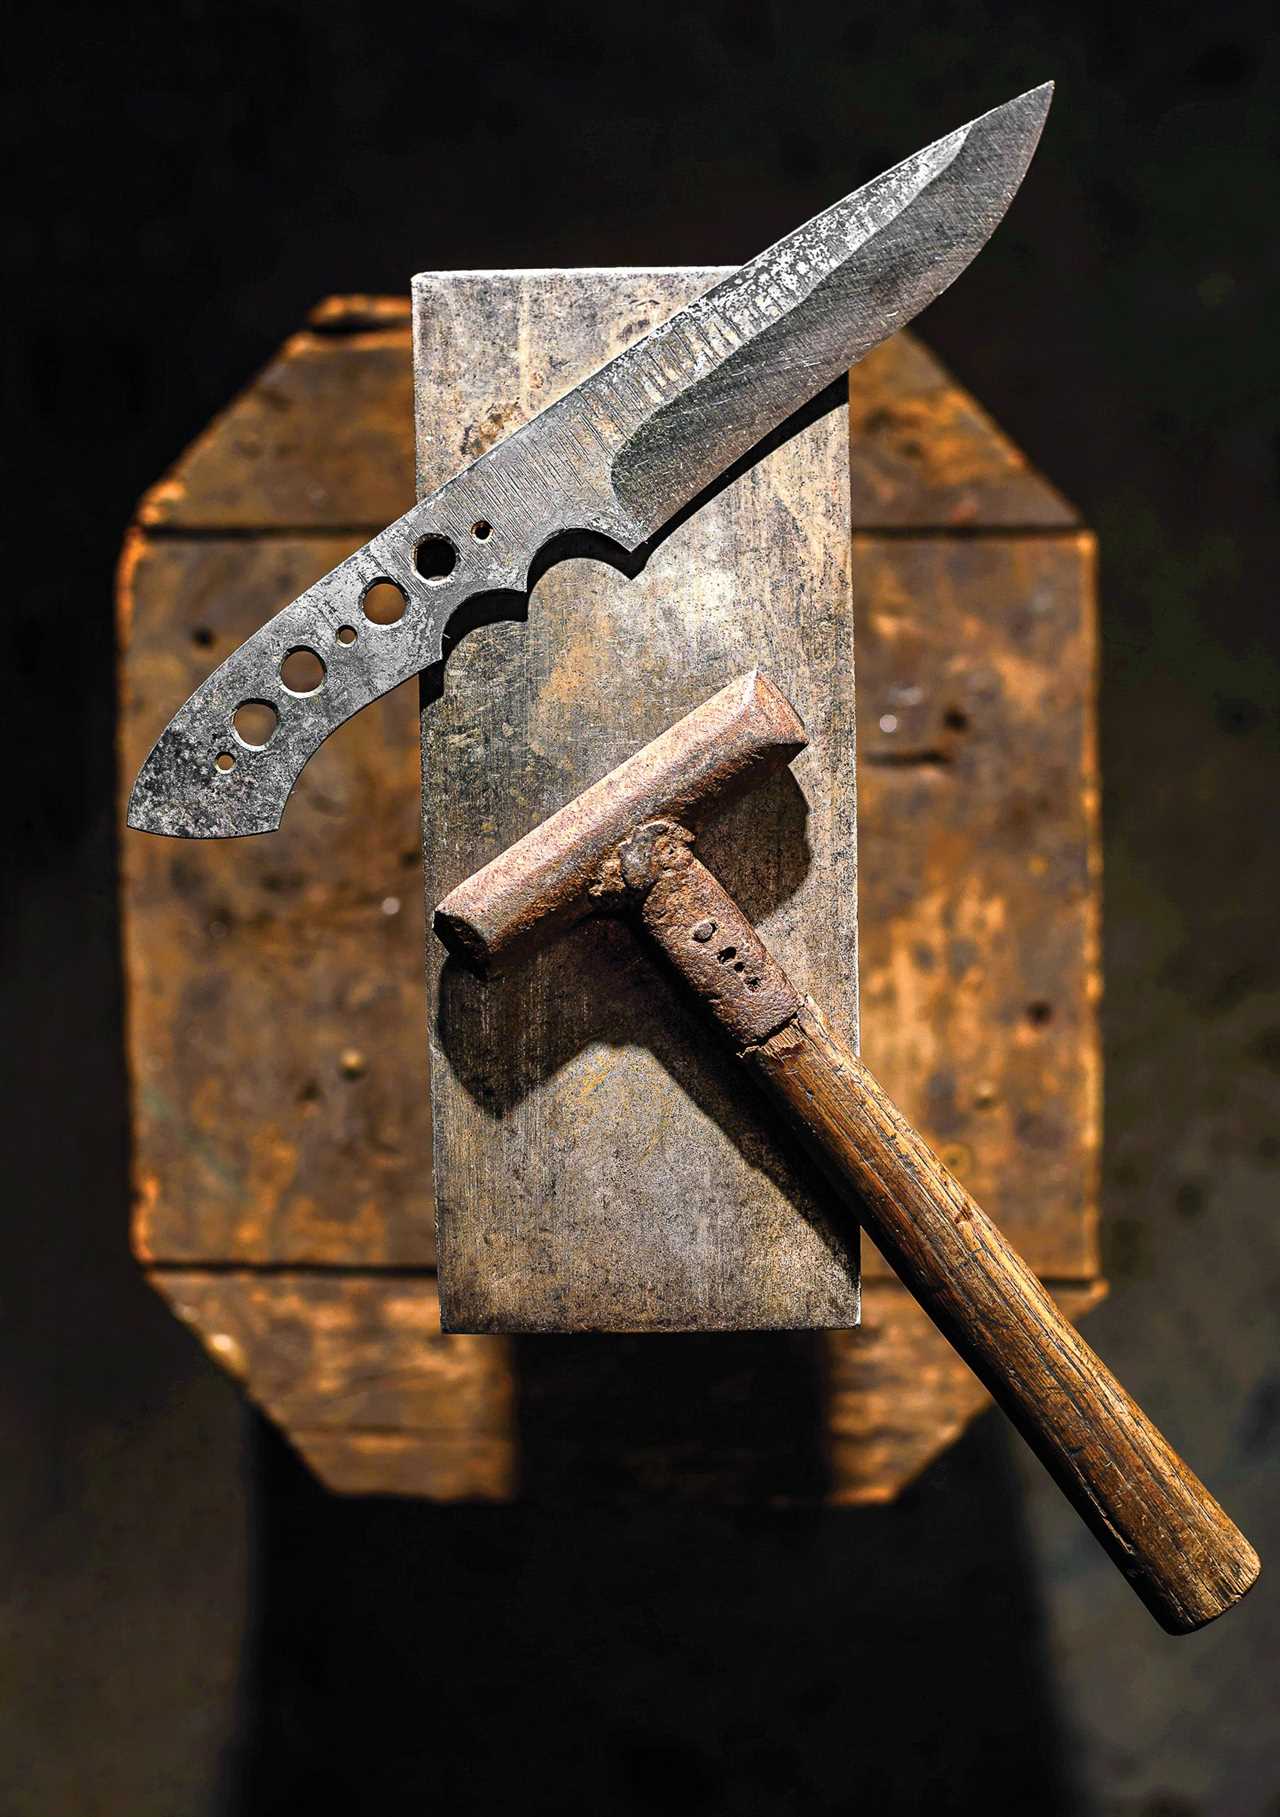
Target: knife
{"type": "Point", "coordinates": [607, 468]}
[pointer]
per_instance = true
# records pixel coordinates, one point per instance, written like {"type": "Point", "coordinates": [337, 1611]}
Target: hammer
{"type": "Point", "coordinates": [625, 846]}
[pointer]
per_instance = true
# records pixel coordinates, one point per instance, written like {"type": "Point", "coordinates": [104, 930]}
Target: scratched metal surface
{"type": "Point", "coordinates": [597, 1162]}
{"type": "Point", "coordinates": [617, 457]}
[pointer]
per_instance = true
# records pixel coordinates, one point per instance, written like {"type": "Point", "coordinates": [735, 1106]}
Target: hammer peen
{"type": "Point", "coordinates": [625, 846]}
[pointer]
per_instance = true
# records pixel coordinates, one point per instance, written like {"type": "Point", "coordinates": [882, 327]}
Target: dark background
{"type": "Point", "coordinates": [187, 1625]}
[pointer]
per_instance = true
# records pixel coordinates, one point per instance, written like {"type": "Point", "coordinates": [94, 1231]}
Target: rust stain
{"type": "Point", "coordinates": [490, 429]}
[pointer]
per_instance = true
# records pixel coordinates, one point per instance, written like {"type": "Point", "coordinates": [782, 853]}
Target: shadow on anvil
{"type": "Point", "coordinates": [505, 1037]}
{"type": "Point", "coordinates": [506, 605]}
{"type": "Point", "coordinates": [537, 1020]}
{"type": "Point", "coordinates": [648, 1655]}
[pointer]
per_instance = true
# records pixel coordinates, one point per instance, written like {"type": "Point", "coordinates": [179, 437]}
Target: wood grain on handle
{"type": "Point", "coordinates": [1183, 1555]}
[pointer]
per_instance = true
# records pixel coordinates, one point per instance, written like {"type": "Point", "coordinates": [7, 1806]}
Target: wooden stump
{"type": "Point", "coordinates": [275, 1021]}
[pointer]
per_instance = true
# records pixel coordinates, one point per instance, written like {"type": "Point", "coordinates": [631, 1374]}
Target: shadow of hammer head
{"type": "Point", "coordinates": [592, 855]}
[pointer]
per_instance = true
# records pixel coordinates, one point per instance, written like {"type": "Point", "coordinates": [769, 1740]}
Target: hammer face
{"type": "Point", "coordinates": [567, 867]}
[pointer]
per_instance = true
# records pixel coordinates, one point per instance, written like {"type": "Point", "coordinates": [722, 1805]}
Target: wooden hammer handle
{"type": "Point", "coordinates": [1183, 1555]}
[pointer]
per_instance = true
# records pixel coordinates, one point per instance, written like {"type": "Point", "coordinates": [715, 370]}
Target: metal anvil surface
{"type": "Point", "coordinates": [595, 1168]}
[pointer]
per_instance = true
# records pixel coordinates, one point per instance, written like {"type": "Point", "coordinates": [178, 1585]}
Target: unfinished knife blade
{"type": "Point", "coordinates": [616, 460]}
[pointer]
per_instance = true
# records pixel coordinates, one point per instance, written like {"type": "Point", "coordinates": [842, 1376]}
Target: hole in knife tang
{"type": "Point", "coordinates": [384, 603]}
{"type": "Point", "coordinates": [347, 634]}
{"type": "Point", "coordinates": [302, 671]}
{"type": "Point", "coordinates": [253, 722]}
{"type": "Point", "coordinates": [224, 761]}
{"type": "Point", "coordinates": [435, 558]}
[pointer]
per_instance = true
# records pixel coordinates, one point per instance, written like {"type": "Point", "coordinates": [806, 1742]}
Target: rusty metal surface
{"type": "Point", "coordinates": [709, 941]}
{"type": "Point", "coordinates": [617, 456]}
{"type": "Point", "coordinates": [924, 457]}
{"type": "Point", "coordinates": [596, 1165]}
{"type": "Point", "coordinates": [568, 866]}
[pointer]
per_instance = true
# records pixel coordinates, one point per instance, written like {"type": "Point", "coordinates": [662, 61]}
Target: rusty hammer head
{"type": "Point", "coordinates": [571, 865]}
